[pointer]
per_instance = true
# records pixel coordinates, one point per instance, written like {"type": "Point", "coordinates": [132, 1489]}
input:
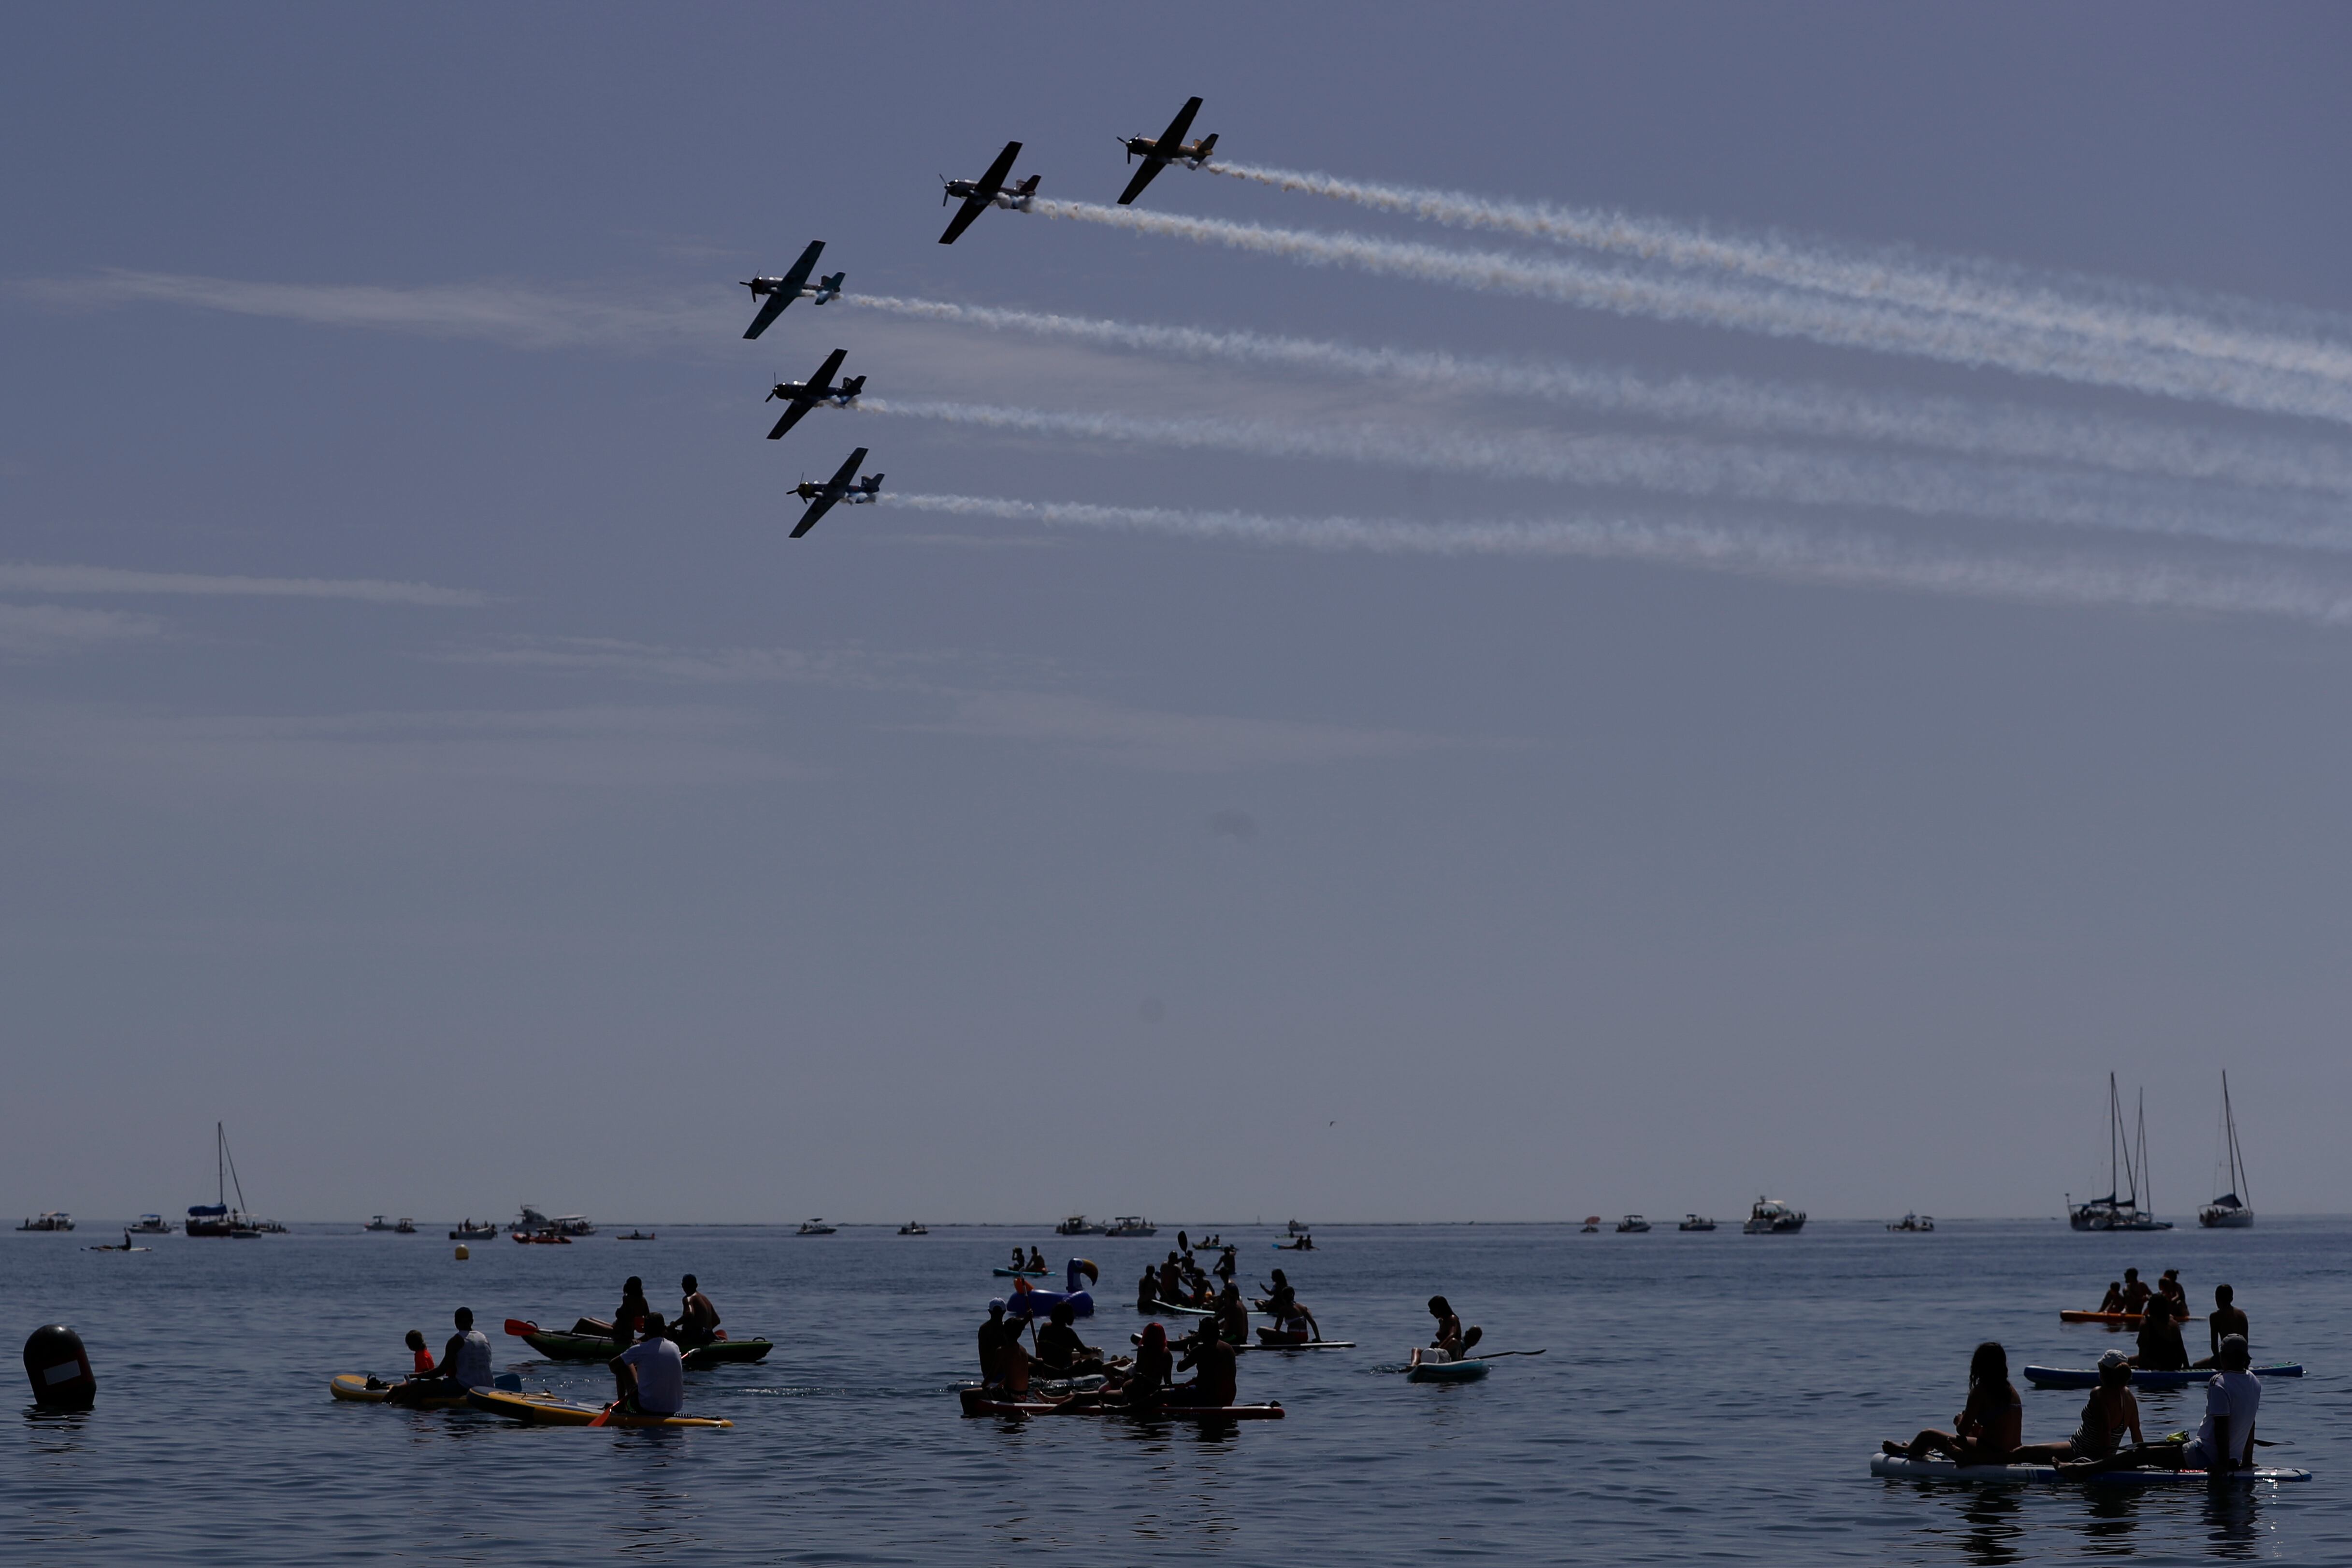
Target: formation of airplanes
{"type": "Point", "coordinates": [774, 294]}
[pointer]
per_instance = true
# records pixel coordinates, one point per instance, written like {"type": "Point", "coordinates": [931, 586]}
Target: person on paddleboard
{"type": "Point", "coordinates": [1171, 1281]}
{"type": "Point", "coordinates": [1290, 1315]}
{"type": "Point", "coordinates": [1212, 1387]}
{"type": "Point", "coordinates": [2113, 1302]}
{"type": "Point", "coordinates": [1227, 1264]}
{"type": "Point", "coordinates": [1148, 1379]}
{"type": "Point", "coordinates": [1036, 1264]}
{"type": "Point", "coordinates": [1147, 1290]}
{"type": "Point", "coordinates": [649, 1377]}
{"type": "Point", "coordinates": [1449, 1337]}
{"type": "Point", "coordinates": [992, 1335]}
{"type": "Point", "coordinates": [1060, 1351]}
{"type": "Point", "coordinates": [698, 1319]}
{"type": "Point", "coordinates": [464, 1363]}
{"type": "Point", "coordinates": [1988, 1428]}
{"type": "Point", "coordinates": [1018, 1262]}
{"type": "Point", "coordinates": [1232, 1317]}
{"type": "Point", "coordinates": [2161, 1349]}
{"type": "Point", "coordinates": [420, 1359]}
{"type": "Point", "coordinates": [2110, 1412]}
{"type": "Point", "coordinates": [2224, 1440]}
{"type": "Point", "coordinates": [2228, 1319]}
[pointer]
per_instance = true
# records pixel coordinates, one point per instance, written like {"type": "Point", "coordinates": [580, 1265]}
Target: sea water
{"type": "Point", "coordinates": [1707, 1398]}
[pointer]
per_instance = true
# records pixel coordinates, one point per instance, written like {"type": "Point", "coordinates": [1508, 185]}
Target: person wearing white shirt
{"type": "Point", "coordinates": [651, 1374]}
{"type": "Point", "coordinates": [2224, 1440]}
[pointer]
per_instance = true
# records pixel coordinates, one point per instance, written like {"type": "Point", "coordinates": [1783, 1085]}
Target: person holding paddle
{"type": "Point", "coordinates": [650, 1376]}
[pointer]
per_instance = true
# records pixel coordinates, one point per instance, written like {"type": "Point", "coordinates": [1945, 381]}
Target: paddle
{"type": "Point", "coordinates": [522, 1328]}
{"type": "Point", "coordinates": [605, 1415]}
{"type": "Point", "coordinates": [1495, 1354]}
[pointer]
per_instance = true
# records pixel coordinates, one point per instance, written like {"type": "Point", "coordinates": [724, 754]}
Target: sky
{"type": "Point", "coordinates": [1734, 600]}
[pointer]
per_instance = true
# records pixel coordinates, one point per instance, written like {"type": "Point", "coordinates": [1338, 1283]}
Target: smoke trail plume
{"type": "Point", "coordinates": [2313, 344]}
{"type": "Point", "coordinates": [1774, 408]}
{"type": "Point", "coordinates": [1770, 310]}
{"type": "Point", "coordinates": [1790, 555]}
{"type": "Point", "coordinates": [1676, 467]}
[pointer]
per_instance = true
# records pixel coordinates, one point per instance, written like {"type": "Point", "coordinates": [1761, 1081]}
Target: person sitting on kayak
{"type": "Point", "coordinates": [1988, 1427]}
{"type": "Point", "coordinates": [1214, 1385]}
{"type": "Point", "coordinates": [420, 1358]}
{"type": "Point", "coordinates": [650, 1376]}
{"type": "Point", "coordinates": [1060, 1351]}
{"type": "Point", "coordinates": [2228, 1319]}
{"type": "Point", "coordinates": [631, 1312]}
{"type": "Point", "coordinates": [1148, 1379]}
{"type": "Point", "coordinates": [2111, 1411]}
{"type": "Point", "coordinates": [2161, 1349]}
{"type": "Point", "coordinates": [2136, 1293]}
{"type": "Point", "coordinates": [2224, 1442]}
{"type": "Point", "coordinates": [1232, 1317]}
{"type": "Point", "coordinates": [2113, 1302]}
{"type": "Point", "coordinates": [464, 1363]}
{"type": "Point", "coordinates": [698, 1319]}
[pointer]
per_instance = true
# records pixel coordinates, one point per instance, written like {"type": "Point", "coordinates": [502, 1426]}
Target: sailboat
{"type": "Point", "coordinates": [217, 1218]}
{"type": "Point", "coordinates": [2231, 1211]}
{"type": "Point", "coordinates": [2126, 1168]}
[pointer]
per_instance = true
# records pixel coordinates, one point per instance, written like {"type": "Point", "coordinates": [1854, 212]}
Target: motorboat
{"type": "Point", "coordinates": [1633, 1225]}
{"type": "Point", "coordinates": [549, 1238]}
{"type": "Point", "coordinates": [2229, 1211]}
{"type": "Point", "coordinates": [56, 1219]}
{"type": "Point", "coordinates": [914, 1228]}
{"type": "Point", "coordinates": [816, 1227]}
{"type": "Point", "coordinates": [468, 1231]}
{"type": "Point", "coordinates": [1299, 1229]}
{"type": "Point", "coordinates": [378, 1223]}
{"type": "Point", "coordinates": [1591, 1226]}
{"type": "Point", "coordinates": [1770, 1217]}
{"type": "Point", "coordinates": [563, 1224]}
{"type": "Point", "coordinates": [1696, 1222]}
{"type": "Point", "coordinates": [2127, 1182]}
{"type": "Point", "coordinates": [1914, 1222]}
{"type": "Point", "coordinates": [1131, 1225]}
{"type": "Point", "coordinates": [406, 1226]}
{"type": "Point", "coordinates": [1075, 1225]}
{"type": "Point", "coordinates": [152, 1224]}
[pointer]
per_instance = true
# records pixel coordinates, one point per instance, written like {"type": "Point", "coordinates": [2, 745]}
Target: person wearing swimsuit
{"type": "Point", "coordinates": [1989, 1425]}
{"type": "Point", "coordinates": [2110, 1412]}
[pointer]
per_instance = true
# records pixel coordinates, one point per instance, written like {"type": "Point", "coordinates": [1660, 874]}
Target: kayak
{"type": "Point", "coordinates": [2119, 1320]}
{"type": "Point", "coordinates": [596, 1347]}
{"type": "Point", "coordinates": [2088, 1376]}
{"type": "Point", "coordinates": [547, 1410]}
{"type": "Point", "coordinates": [1887, 1465]}
{"type": "Point", "coordinates": [1424, 1367]}
{"type": "Point", "coordinates": [978, 1402]}
{"type": "Point", "coordinates": [1005, 1273]}
{"type": "Point", "coordinates": [360, 1388]}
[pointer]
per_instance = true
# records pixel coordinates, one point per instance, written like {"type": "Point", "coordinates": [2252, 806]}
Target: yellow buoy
{"type": "Point", "coordinates": [462, 1253]}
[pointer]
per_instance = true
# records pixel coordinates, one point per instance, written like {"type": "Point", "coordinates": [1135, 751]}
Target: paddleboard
{"type": "Point", "coordinates": [976, 1402]}
{"type": "Point", "coordinates": [1022, 1273]}
{"type": "Point", "coordinates": [354, 1386]}
{"type": "Point", "coordinates": [1895, 1468]}
{"type": "Point", "coordinates": [547, 1410]}
{"type": "Point", "coordinates": [2119, 1320]}
{"type": "Point", "coordinates": [1171, 1307]}
{"type": "Point", "coordinates": [2088, 1376]}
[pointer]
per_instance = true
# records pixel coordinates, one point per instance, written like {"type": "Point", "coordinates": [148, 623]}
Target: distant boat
{"type": "Point", "coordinates": [406, 1226]}
{"type": "Point", "coordinates": [56, 1219]}
{"type": "Point", "coordinates": [1299, 1229]}
{"type": "Point", "coordinates": [1633, 1225]}
{"type": "Point", "coordinates": [816, 1227]}
{"type": "Point", "coordinates": [1075, 1225]}
{"type": "Point", "coordinates": [468, 1231]}
{"type": "Point", "coordinates": [1696, 1222]}
{"type": "Point", "coordinates": [1914, 1222]}
{"type": "Point", "coordinates": [2231, 1211]}
{"type": "Point", "coordinates": [217, 1217]}
{"type": "Point", "coordinates": [378, 1223]}
{"type": "Point", "coordinates": [1770, 1217]}
{"type": "Point", "coordinates": [563, 1224]}
{"type": "Point", "coordinates": [1131, 1225]}
{"type": "Point", "coordinates": [2128, 1181]}
{"type": "Point", "coordinates": [152, 1224]}
{"type": "Point", "coordinates": [914, 1228]}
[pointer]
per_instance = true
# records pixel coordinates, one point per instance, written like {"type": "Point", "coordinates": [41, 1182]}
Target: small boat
{"type": "Point", "coordinates": [1591, 1226]}
{"type": "Point", "coordinates": [547, 1410]}
{"type": "Point", "coordinates": [566, 1224]}
{"type": "Point", "coordinates": [1075, 1225]}
{"type": "Point", "coordinates": [468, 1231]}
{"type": "Point", "coordinates": [406, 1226]}
{"type": "Point", "coordinates": [1633, 1225]}
{"type": "Point", "coordinates": [56, 1219]}
{"type": "Point", "coordinates": [981, 1402]}
{"type": "Point", "coordinates": [2088, 1376]}
{"type": "Point", "coordinates": [1429, 1365]}
{"type": "Point", "coordinates": [640, 1235]}
{"type": "Point", "coordinates": [2229, 1211]}
{"type": "Point", "coordinates": [1893, 1468]}
{"type": "Point", "coordinates": [914, 1228]}
{"type": "Point", "coordinates": [378, 1223]}
{"type": "Point", "coordinates": [1299, 1229]}
{"type": "Point", "coordinates": [577, 1346]}
{"type": "Point", "coordinates": [542, 1239]}
{"type": "Point", "coordinates": [1696, 1222]}
{"type": "Point", "coordinates": [816, 1227]}
{"type": "Point", "coordinates": [2126, 1169]}
{"type": "Point", "coordinates": [1770, 1217]}
{"type": "Point", "coordinates": [1131, 1225]}
{"type": "Point", "coordinates": [152, 1224]}
{"type": "Point", "coordinates": [1914, 1222]}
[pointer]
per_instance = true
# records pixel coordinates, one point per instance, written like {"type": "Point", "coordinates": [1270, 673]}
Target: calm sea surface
{"type": "Point", "coordinates": [1706, 1397]}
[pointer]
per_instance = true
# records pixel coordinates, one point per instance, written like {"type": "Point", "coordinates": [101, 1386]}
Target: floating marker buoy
{"type": "Point", "coordinates": [462, 1253]}
{"type": "Point", "coordinates": [60, 1369]}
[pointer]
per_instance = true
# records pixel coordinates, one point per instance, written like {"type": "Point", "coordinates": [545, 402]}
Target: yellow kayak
{"type": "Point", "coordinates": [547, 1410]}
{"type": "Point", "coordinates": [359, 1387]}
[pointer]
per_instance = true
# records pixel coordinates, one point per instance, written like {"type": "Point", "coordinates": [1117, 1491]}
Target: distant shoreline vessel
{"type": "Point", "coordinates": [1770, 1217]}
{"type": "Point", "coordinates": [2231, 1211]}
{"type": "Point", "coordinates": [217, 1217]}
{"type": "Point", "coordinates": [2126, 1169]}
{"type": "Point", "coordinates": [54, 1219]}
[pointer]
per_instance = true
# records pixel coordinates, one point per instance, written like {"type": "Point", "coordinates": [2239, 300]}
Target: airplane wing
{"type": "Point", "coordinates": [817, 509]}
{"type": "Point", "coordinates": [848, 476]}
{"type": "Point", "coordinates": [770, 308]}
{"type": "Point", "coordinates": [1151, 165]}
{"type": "Point", "coordinates": [793, 412]}
{"type": "Point", "coordinates": [824, 377]}
{"type": "Point", "coordinates": [993, 181]}
{"type": "Point", "coordinates": [1174, 137]}
{"type": "Point", "coordinates": [795, 278]}
{"type": "Point", "coordinates": [973, 207]}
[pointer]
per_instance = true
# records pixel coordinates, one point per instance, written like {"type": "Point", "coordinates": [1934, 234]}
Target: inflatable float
{"type": "Point", "coordinates": [1429, 1365]}
{"type": "Point", "coordinates": [1028, 1302]}
{"type": "Point", "coordinates": [2088, 1376]}
{"type": "Point", "coordinates": [1893, 1468]}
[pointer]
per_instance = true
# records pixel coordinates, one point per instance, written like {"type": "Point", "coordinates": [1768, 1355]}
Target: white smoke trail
{"type": "Point", "coordinates": [1779, 408]}
{"type": "Point", "coordinates": [1773, 311]}
{"type": "Point", "coordinates": [1676, 466]}
{"type": "Point", "coordinates": [1790, 555]}
{"type": "Point", "coordinates": [1958, 285]}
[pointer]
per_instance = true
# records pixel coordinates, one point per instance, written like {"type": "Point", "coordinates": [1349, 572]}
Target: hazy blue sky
{"type": "Point", "coordinates": [1912, 683]}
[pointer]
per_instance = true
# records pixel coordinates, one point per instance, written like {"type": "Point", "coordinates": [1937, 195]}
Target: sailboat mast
{"type": "Point", "coordinates": [2237, 1161]}
{"type": "Point", "coordinates": [220, 1169]}
{"type": "Point", "coordinates": [2141, 1175]}
{"type": "Point", "coordinates": [2115, 1130]}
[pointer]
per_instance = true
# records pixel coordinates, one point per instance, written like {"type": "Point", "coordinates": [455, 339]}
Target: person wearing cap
{"type": "Point", "coordinates": [2229, 1318]}
{"type": "Point", "coordinates": [2224, 1442]}
{"type": "Point", "coordinates": [2110, 1412]}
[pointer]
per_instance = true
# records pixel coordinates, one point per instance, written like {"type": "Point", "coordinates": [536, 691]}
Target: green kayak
{"type": "Point", "coordinates": [595, 1347]}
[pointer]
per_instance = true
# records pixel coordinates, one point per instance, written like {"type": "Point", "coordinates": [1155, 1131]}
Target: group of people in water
{"type": "Point", "coordinates": [648, 1363]}
{"type": "Point", "coordinates": [1990, 1428]}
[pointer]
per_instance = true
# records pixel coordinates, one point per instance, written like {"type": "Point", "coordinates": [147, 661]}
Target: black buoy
{"type": "Point", "coordinates": [60, 1368]}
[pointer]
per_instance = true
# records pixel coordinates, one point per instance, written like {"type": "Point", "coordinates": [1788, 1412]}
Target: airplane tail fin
{"type": "Point", "coordinates": [853, 386]}
{"type": "Point", "coordinates": [833, 284]}
{"type": "Point", "coordinates": [871, 484]}
{"type": "Point", "coordinates": [1208, 145]}
{"type": "Point", "coordinates": [1028, 187]}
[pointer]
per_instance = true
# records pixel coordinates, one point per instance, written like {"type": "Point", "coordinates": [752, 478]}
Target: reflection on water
{"type": "Point", "coordinates": [2233, 1522]}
